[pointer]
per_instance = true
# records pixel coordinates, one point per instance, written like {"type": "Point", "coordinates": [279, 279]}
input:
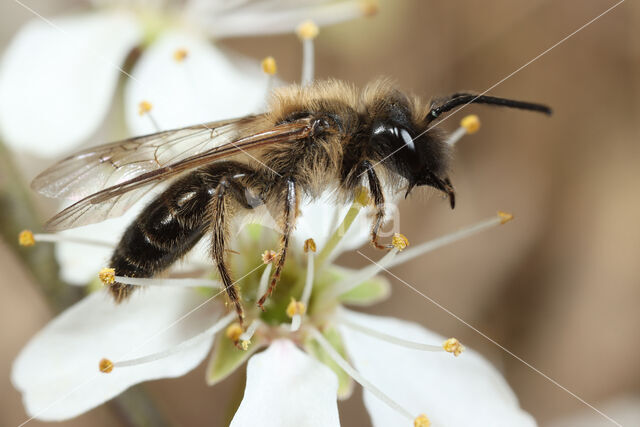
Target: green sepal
{"type": "Point", "coordinates": [226, 358]}
{"type": "Point", "coordinates": [369, 292]}
{"type": "Point", "coordinates": [366, 293]}
{"type": "Point", "coordinates": [345, 382]}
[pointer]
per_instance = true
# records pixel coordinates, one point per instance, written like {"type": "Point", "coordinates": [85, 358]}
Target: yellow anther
{"type": "Point", "coordinates": [362, 196]}
{"type": "Point", "coordinates": [309, 245]}
{"type": "Point", "coordinates": [105, 366]}
{"type": "Point", "coordinates": [470, 123]}
{"type": "Point", "coordinates": [144, 107]}
{"type": "Point", "coordinates": [307, 30]}
{"type": "Point", "coordinates": [180, 54]}
{"type": "Point", "coordinates": [452, 345]}
{"type": "Point", "coordinates": [399, 241]}
{"type": "Point", "coordinates": [107, 276]}
{"type": "Point", "coordinates": [268, 256]}
{"type": "Point", "coordinates": [245, 344]}
{"type": "Point", "coordinates": [25, 238]}
{"type": "Point", "coordinates": [296, 307]}
{"type": "Point", "coordinates": [269, 65]}
{"type": "Point", "coordinates": [421, 421]}
{"type": "Point", "coordinates": [234, 331]}
{"type": "Point", "coordinates": [504, 217]}
{"type": "Point", "coordinates": [369, 7]}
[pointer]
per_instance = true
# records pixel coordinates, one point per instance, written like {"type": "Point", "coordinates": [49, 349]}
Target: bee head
{"type": "Point", "coordinates": [419, 156]}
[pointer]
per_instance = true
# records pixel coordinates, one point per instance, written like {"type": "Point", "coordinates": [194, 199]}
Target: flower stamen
{"type": "Point", "coordinates": [180, 54]}
{"type": "Point", "coordinates": [369, 7]}
{"type": "Point", "coordinates": [269, 66]}
{"type": "Point", "coordinates": [307, 31]}
{"type": "Point", "coordinates": [186, 282]}
{"type": "Point", "coordinates": [421, 421]}
{"type": "Point", "coordinates": [452, 345]}
{"type": "Point", "coordinates": [144, 109]}
{"type": "Point", "coordinates": [360, 201]}
{"type": "Point", "coordinates": [28, 238]}
{"type": "Point", "coordinates": [309, 249]}
{"type": "Point", "coordinates": [399, 241]}
{"type": "Point", "coordinates": [251, 330]}
{"type": "Point", "coordinates": [107, 276]}
{"type": "Point", "coordinates": [468, 125]}
{"type": "Point", "coordinates": [390, 338]}
{"type": "Point", "coordinates": [264, 279]}
{"type": "Point", "coordinates": [339, 360]}
{"type": "Point", "coordinates": [107, 365]}
{"type": "Point", "coordinates": [391, 260]}
{"type": "Point", "coordinates": [268, 256]}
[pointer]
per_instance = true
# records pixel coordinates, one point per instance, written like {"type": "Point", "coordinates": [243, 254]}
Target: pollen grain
{"type": "Point", "coordinates": [107, 276]}
{"type": "Point", "coordinates": [452, 345]}
{"type": "Point", "coordinates": [25, 238]}
{"type": "Point", "coordinates": [106, 366]}
{"type": "Point", "coordinates": [421, 421]}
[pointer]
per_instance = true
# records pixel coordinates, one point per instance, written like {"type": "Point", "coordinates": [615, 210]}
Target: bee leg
{"type": "Point", "coordinates": [375, 188]}
{"type": "Point", "coordinates": [220, 207]}
{"type": "Point", "coordinates": [291, 202]}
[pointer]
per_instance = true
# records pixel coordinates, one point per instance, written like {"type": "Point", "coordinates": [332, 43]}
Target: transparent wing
{"type": "Point", "coordinates": [149, 171]}
{"type": "Point", "coordinates": [96, 168]}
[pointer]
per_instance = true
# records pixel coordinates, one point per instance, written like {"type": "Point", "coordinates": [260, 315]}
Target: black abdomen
{"type": "Point", "coordinates": [163, 232]}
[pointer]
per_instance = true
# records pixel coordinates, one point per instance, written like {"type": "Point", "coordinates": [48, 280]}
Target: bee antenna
{"type": "Point", "coordinates": [468, 98]}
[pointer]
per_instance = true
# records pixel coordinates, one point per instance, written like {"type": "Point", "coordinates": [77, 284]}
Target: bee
{"type": "Point", "coordinates": [327, 136]}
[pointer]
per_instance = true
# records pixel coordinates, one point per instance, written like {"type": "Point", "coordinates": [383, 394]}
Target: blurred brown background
{"type": "Point", "coordinates": [560, 285]}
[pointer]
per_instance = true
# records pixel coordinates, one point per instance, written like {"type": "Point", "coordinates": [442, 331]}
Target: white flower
{"type": "Point", "coordinates": [96, 349]}
{"type": "Point", "coordinates": [58, 76]}
{"type": "Point", "coordinates": [304, 369]}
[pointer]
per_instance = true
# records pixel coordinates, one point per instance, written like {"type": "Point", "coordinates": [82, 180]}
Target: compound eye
{"type": "Point", "coordinates": [407, 139]}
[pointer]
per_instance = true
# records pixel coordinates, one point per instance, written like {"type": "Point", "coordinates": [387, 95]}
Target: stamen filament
{"type": "Point", "coordinates": [251, 330]}
{"type": "Point", "coordinates": [181, 282]}
{"type": "Point", "coordinates": [264, 279]}
{"type": "Point", "coordinates": [270, 68]}
{"type": "Point", "coordinates": [58, 238]}
{"type": "Point", "coordinates": [296, 321]}
{"type": "Point", "coordinates": [144, 109]}
{"type": "Point", "coordinates": [214, 329]}
{"type": "Point", "coordinates": [389, 338]}
{"type": "Point", "coordinates": [391, 260]}
{"type": "Point", "coordinates": [309, 248]}
{"type": "Point", "coordinates": [307, 31]}
{"type": "Point", "coordinates": [361, 200]}
{"type": "Point", "coordinates": [455, 136]}
{"type": "Point", "coordinates": [308, 284]}
{"type": "Point", "coordinates": [468, 125]}
{"type": "Point", "coordinates": [447, 240]}
{"type": "Point", "coordinates": [337, 358]}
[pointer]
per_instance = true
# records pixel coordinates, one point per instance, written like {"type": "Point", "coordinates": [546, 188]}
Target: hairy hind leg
{"type": "Point", "coordinates": [291, 202]}
{"type": "Point", "coordinates": [228, 191]}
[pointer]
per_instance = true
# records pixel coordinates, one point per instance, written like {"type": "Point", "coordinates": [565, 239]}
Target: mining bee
{"type": "Point", "coordinates": [324, 137]}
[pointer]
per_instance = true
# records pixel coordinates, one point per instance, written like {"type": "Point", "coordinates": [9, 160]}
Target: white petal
{"type": "Point", "coordinates": [56, 81]}
{"type": "Point", "coordinates": [272, 16]}
{"type": "Point", "coordinates": [208, 85]}
{"type": "Point", "coordinates": [320, 218]}
{"type": "Point", "coordinates": [57, 371]}
{"type": "Point", "coordinates": [287, 388]}
{"type": "Point", "coordinates": [466, 390]}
